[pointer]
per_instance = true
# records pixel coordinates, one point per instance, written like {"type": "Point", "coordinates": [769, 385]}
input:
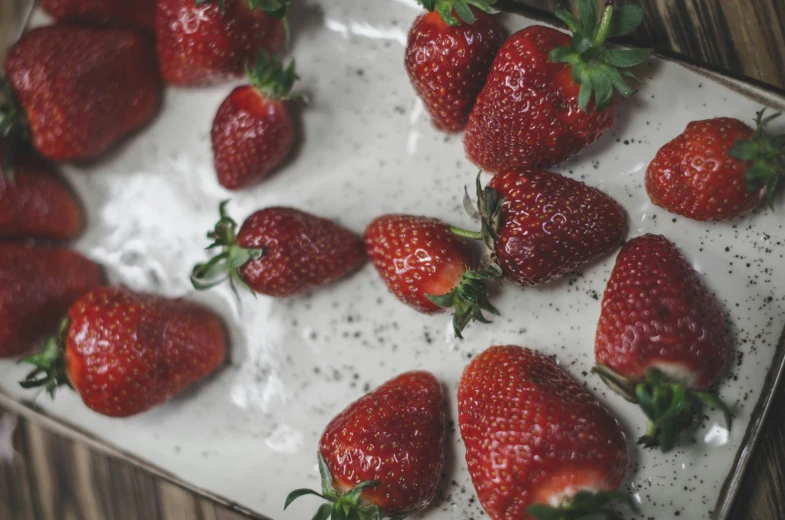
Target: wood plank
{"type": "Point", "coordinates": [746, 38]}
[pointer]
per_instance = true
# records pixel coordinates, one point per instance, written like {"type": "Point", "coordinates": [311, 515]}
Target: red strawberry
{"type": "Point", "coordinates": [539, 225]}
{"type": "Point", "coordinates": [36, 202]}
{"type": "Point", "coordinates": [538, 445]}
{"type": "Point", "coordinates": [134, 13]}
{"type": "Point", "coordinates": [427, 267]}
{"type": "Point", "coordinates": [125, 352]}
{"type": "Point", "coordinates": [661, 338]}
{"type": "Point", "coordinates": [448, 59]}
{"type": "Point", "coordinates": [203, 42]}
{"type": "Point", "coordinates": [717, 169]}
{"type": "Point", "coordinates": [80, 90]}
{"type": "Point", "coordinates": [253, 132]}
{"type": "Point", "coordinates": [37, 285]}
{"type": "Point", "coordinates": [548, 97]}
{"type": "Point", "coordinates": [383, 455]}
{"type": "Point", "coordinates": [279, 252]}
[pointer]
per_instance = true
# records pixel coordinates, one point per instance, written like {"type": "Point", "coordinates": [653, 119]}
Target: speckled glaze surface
{"type": "Point", "coordinates": [250, 433]}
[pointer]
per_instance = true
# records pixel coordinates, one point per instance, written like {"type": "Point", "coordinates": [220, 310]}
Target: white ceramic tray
{"type": "Point", "coordinates": [249, 434]}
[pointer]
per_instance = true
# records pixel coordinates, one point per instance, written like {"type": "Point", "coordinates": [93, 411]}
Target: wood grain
{"type": "Point", "coordinates": [744, 37]}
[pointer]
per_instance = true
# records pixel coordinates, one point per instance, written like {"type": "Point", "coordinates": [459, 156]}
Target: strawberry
{"type": "Point", "coordinates": [77, 91]}
{"type": "Point", "coordinates": [717, 169]}
{"type": "Point", "coordinates": [253, 132]}
{"type": "Point", "coordinates": [136, 13]}
{"type": "Point", "coordinates": [547, 96]}
{"type": "Point", "coordinates": [427, 267]}
{"type": "Point", "coordinates": [448, 58]}
{"type": "Point", "coordinates": [37, 285]}
{"type": "Point", "coordinates": [539, 225]}
{"type": "Point", "coordinates": [203, 42]}
{"type": "Point", "coordinates": [126, 352]}
{"type": "Point", "coordinates": [538, 445]}
{"type": "Point", "coordinates": [383, 455]}
{"type": "Point", "coordinates": [661, 339]}
{"type": "Point", "coordinates": [279, 252]}
{"type": "Point", "coordinates": [36, 202]}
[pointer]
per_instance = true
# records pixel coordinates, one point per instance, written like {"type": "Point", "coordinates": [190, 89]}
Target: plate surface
{"type": "Point", "coordinates": [249, 434]}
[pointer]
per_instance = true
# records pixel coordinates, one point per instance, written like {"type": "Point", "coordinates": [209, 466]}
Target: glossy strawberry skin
{"type": "Point", "coordinates": [37, 203]}
{"type": "Point", "coordinates": [119, 13]}
{"type": "Point", "coordinates": [83, 89]}
{"type": "Point", "coordinates": [37, 285]}
{"type": "Point", "coordinates": [127, 352]}
{"type": "Point", "coordinates": [198, 45]}
{"type": "Point", "coordinates": [302, 251]}
{"type": "Point", "coordinates": [694, 175]}
{"type": "Point", "coordinates": [447, 65]}
{"type": "Point", "coordinates": [393, 435]}
{"type": "Point", "coordinates": [527, 114]}
{"type": "Point", "coordinates": [551, 225]}
{"type": "Point", "coordinates": [532, 433]}
{"type": "Point", "coordinates": [251, 135]}
{"type": "Point", "coordinates": [656, 312]}
{"type": "Point", "coordinates": [417, 256]}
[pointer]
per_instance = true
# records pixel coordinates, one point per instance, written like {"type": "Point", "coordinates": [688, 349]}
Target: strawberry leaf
{"type": "Point", "coordinates": [297, 493]}
{"type": "Point", "coordinates": [583, 505]}
{"type": "Point", "coordinates": [463, 8]}
{"type": "Point", "coordinates": [625, 57]}
{"type": "Point", "coordinates": [49, 365]}
{"type": "Point", "coordinates": [625, 20]}
{"type": "Point", "coordinates": [766, 154]}
{"type": "Point", "coordinates": [323, 513]}
{"type": "Point", "coordinates": [271, 79]}
{"type": "Point", "coordinates": [587, 9]}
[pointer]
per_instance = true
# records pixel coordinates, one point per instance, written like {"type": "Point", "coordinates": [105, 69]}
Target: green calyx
{"type": "Point", "coordinates": [468, 299]}
{"type": "Point", "coordinates": [447, 9]}
{"type": "Point", "coordinates": [339, 506]}
{"type": "Point", "coordinates": [14, 129]}
{"type": "Point", "coordinates": [597, 69]}
{"type": "Point", "coordinates": [584, 505]}
{"type": "Point", "coordinates": [50, 370]}
{"type": "Point", "coordinates": [673, 409]}
{"type": "Point", "coordinates": [767, 154]}
{"type": "Point", "coordinates": [225, 265]}
{"type": "Point", "coordinates": [271, 79]}
{"type": "Point", "coordinates": [488, 212]}
{"type": "Point", "coordinates": [275, 8]}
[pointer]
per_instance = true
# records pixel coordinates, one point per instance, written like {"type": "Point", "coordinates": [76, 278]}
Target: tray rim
{"type": "Point", "coordinates": [760, 92]}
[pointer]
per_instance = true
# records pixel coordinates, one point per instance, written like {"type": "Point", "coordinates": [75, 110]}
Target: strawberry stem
{"type": "Point", "coordinates": [584, 505]}
{"type": "Point", "coordinates": [269, 77]}
{"type": "Point", "coordinates": [765, 152]}
{"type": "Point", "coordinates": [597, 69]}
{"type": "Point", "coordinates": [463, 8]}
{"type": "Point", "coordinates": [673, 409]}
{"type": "Point", "coordinates": [339, 506]}
{"type": "Point", "coordinates": [50, 367]}
{"type": "Point", "coordinates": [465, 233]}
{"type": "Point", "coordinates": [225, 265]}
{"type": "Point", "coordinates": [468, 299]}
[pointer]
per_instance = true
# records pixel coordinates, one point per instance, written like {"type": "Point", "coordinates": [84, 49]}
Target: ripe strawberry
{"type": "Point", "coordinates": [548, 97]}
{"type": "Point", "coordinates": [538, 445]}
{"type": "Point", "coordinates": [253, 132]}
{"type": "Point", "coordinates": [36, 202]}
{"type": "Point", "coordinates": [77, 91]}
{"type": "Point", "coordinates": [279, 252]}
{"type": "Point", "coordinates": [137, 13]}
{"type": "Point", "coordinates": [717, 169]}
{"type": "Point", "coordinates": [125, 352]}
{"type": "Point", "coordinates": [539, 225]}
{"type": "Point", "coordinates": [427, 267]}
{"type": "Point", "coordinates": [661, 338]}
{"type": "Point", "coordinates": [203, 42]}
{"type": "Point", "coordinates": [383, 455]}
{"type": "Point", "coordinates": [37, 285]}
{"type": "Point", "coordinates": [448, 58]}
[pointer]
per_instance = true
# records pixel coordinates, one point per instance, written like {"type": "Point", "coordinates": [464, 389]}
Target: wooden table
{"type": "Point", "coordinates": [53, 478]}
